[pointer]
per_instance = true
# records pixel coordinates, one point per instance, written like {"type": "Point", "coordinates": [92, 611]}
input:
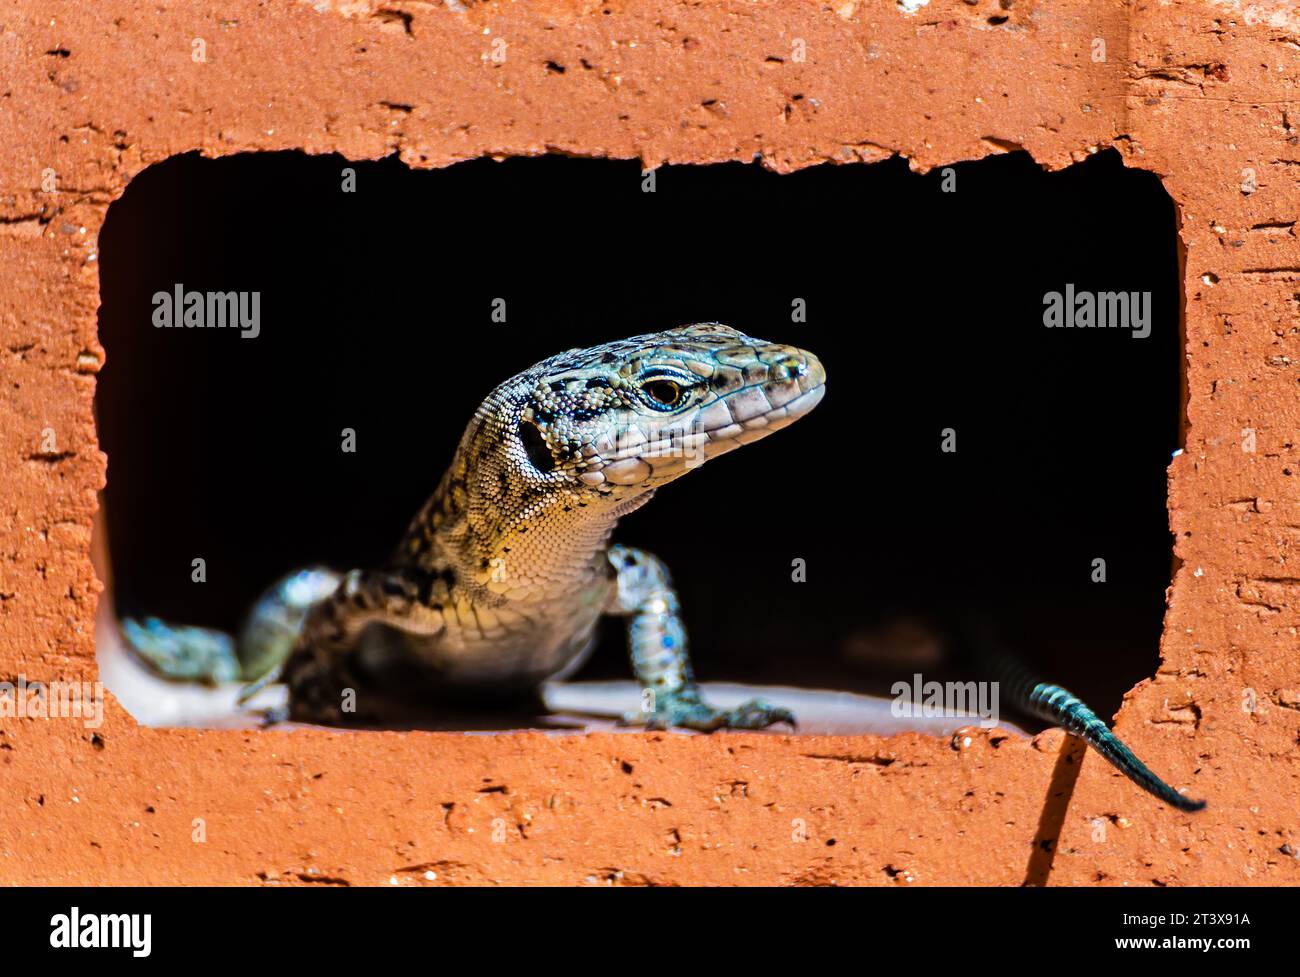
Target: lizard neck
{"type": "Point", "coordinates": [511, 540]}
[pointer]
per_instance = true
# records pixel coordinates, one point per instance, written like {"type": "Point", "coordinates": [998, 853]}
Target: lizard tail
{"type": "Point", "coordinates": [184, 653]}
{"type": "Point", "coordinates": [1057, 705]}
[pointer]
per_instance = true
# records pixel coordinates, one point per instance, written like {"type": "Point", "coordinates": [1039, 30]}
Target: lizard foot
{"type": "Point", "coordinates": [687, 710]}
{"type": "Point", "coordinates": [322, 688]}
{"type": "Point", "coordinates": [274, 715]}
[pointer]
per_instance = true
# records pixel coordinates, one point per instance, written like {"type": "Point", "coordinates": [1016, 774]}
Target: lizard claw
{"type": "Point", "coordinates": [687, 710]}
{"type": "Point", "coordinates": [758, 714]}
{"type": "Point", "coordinates": [274, 715]}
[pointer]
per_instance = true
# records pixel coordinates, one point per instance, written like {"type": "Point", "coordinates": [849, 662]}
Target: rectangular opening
{"type": "Point", "coordinates": [923, 295]}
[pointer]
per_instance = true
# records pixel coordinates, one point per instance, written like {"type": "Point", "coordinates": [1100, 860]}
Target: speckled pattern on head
{"type": "Point", "coordinates": [566, 447]}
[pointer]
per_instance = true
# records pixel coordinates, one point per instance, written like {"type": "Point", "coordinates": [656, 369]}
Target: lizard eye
{"type": "Point", "coordinates": [664, 393]}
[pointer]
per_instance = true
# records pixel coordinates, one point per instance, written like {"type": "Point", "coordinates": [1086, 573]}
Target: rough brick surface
{"type": "Point", "coordinates": [1203, 93]}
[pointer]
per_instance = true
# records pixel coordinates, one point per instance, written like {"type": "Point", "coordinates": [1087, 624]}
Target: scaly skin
{"type": "Point", "coordinates": [503, 575]}
{"type": "Point", "coordinates": [1057, 705]}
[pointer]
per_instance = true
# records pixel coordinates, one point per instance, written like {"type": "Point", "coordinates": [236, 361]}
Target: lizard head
{"type": "Point", "coordinates": [620, 419]}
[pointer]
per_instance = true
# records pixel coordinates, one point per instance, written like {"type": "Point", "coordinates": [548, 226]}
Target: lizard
{"type": "Point", "coordinates": [500, 580]}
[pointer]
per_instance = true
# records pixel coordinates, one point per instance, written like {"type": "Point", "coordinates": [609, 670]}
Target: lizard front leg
{"type": "Point", "coordinates": [657, 640]}
{"type": "Point", "coordinates": [320, 672]}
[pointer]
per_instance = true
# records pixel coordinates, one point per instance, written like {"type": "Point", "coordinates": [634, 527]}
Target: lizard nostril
{"type": "Point", "coordinates": [792, 365]}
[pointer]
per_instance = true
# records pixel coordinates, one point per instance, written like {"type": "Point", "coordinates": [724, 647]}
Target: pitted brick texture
{"type": "Point", "coordinates": [1203, 93]}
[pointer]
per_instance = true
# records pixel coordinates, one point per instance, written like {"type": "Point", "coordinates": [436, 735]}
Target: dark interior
{"type": "Point", "coordinates": [925, 306]}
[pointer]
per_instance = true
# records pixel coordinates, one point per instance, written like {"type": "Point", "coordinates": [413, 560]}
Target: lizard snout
{"type": "Point", "coordinates": [792, 386]}
{"type": "Point", "coordinates": [793, 374]}
{"type": "Point", "coordinates": [780, 385]}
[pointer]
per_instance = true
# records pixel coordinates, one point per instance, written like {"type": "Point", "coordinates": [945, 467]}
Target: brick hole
{"type": "Point", "coordinates": [376, 310]}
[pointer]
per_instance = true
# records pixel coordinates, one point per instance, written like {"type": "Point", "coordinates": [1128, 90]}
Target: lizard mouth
{"type": "Point", "coordinates": [764, 422]}
{"type": "Point", "coordinates": [650, 456]}
{"type": "Point", "coordinates": [795, 384]}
